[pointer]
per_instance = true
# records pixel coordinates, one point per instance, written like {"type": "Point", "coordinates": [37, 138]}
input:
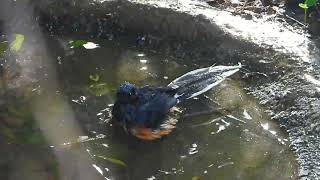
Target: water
{"type": "Point", "coordinates": [67, 134]}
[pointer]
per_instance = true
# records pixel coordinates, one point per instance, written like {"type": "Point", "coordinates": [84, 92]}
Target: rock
{"type": "Point", "coordinates": [303, 172]}
{"type": "Point", "coordinates": [247, 16]}
{"type": "Point", "coordinates": [266, 2]}
{"type": "Point", "coordinates": [314, 28]}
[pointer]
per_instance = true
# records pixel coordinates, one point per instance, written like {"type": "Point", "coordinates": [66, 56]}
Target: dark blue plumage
{"type": "Point", "coordinates": [141, 111]}
{"type": "Point", "coordinates": [146, 106]}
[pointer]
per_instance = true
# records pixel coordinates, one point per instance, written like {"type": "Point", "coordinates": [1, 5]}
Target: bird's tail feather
{"type": "Point", "coordinates": [201, 80]}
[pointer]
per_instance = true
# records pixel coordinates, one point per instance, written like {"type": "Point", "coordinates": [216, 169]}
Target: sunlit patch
{"type": "Point", "coordinates": [141, 55]}
{"type": "Point", "coordinates": [173, 171]}
{"type": "Point", "coordinates": [263, 32]}
{"type": "Point", "coordinates": [143, 61]}
{"type": "Point", "coordinates": [265, 126]}
{"type": "Point", "coordinates": [90, 45]}
{"type": "Point", "coordinates": [193, 149]}
{"type": "Point", "coordinates": [246, 114]}
{"type": "Point", "coordinates": [105, 145]}
{"type": "Point", "coordinates": [221, 127]}
{"type": "Point", "coordinates": [225, 164]}
{"type": "Point", "coordinates": [143, 68]}
{"type": "Point", "coordinates": [312, 79]}
{"type": "Point", "coordinates": [81, 100]}
{"type": "Point", "coordinates": [66, 143]}
{"type": "Point", "coordinates": [132, 70]}
{"type": "Point", "coordinates": [98, 169]}
{"type": "Point", "coordinates": [82, 138]}
{"type": "Point", "coordinates": [151, 178]}
{"type": "Point", "coordinates": [105, 114]}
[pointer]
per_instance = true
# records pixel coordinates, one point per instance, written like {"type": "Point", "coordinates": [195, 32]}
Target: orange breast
{"type": "Point", "coordinates": [148, 133]}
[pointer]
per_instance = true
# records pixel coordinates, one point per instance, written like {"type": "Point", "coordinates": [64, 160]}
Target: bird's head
{"type": "Point", "coordinates": [127, 93]}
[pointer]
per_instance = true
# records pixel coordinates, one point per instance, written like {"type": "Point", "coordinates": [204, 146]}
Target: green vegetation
{"type": "Point", "coordinates": [77, 43]}
{"type": "Point", "coordinates": [99, 89]}
{"type": "Point", "coordinates": [114, 161]}
{"type": "Point", "coordinates": [94, 77]}
{"type": "Point", "coordinates": [3, 47]}
{"type": "Point", "coordinates": [17, 42]}
{"type": "Point", "coordinates": [305, 6]}
{"type": "Point", "coordinates": [15, 45]}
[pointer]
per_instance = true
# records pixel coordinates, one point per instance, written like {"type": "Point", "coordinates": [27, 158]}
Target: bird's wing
{"type": "Point", "coordinates": [153, 111]}
{"type": "Point", "coordinates": [201, 80]}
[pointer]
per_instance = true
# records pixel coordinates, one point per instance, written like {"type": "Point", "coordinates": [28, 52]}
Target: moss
{"type": "Point", "coordinates": [7, 134]}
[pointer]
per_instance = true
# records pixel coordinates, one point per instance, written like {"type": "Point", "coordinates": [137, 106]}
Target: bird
{"type": "Point", "coordinates": [142, 111]}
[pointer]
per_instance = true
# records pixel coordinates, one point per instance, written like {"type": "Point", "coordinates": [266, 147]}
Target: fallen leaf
{"type": "Point", "coordinates": [114, 161]}
{"type": "Point", "coordinates": [94, 77]}
{"type": "Point", "coordinates": [77, 43]}
{"type": "Point", "coordinates": [17, 42]}
{"type": "Point", "coordinates": [196, 178]}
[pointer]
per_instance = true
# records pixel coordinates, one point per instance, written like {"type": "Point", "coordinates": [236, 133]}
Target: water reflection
{"type": "Point", "coordinates": [226, 144]}
{"type": "Point", "coordinates": [224, 134]}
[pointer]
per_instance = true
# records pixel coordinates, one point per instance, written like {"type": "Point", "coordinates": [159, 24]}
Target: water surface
{"type": "Point", "coordinates": [224, 134]}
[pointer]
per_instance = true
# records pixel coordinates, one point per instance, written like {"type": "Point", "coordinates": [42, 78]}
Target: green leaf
{"type": "Point", "coordinates": [303, 6]}
{"type": "Point", "coordinates": [114, 161]}
{"type": "Point", "coordinates": [196, 178]}
{"type": "Point", "coordinates": [77, 43]}
{"type": "Point", "coordinates": [307, 4]}
{"type": "Point", "coordinates": [17, 42]}
{"type": "Point", "coordinates": [34, 138]}
{"type": "Point", "coordinates": [94, 77]}
{"type": "Point", "coordinates": [310, 3]}
{"type": "Point", "coordinates": [3, 47]}
{"type": "Point", "coordinates": [99, 89]}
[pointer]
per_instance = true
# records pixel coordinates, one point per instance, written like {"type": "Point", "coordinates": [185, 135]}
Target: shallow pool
{"type": "Point", "coordinates": [61, 129]}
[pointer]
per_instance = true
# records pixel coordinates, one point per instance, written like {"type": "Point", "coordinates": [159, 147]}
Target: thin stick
{"type": "Point", "coordinates": [292, 18]}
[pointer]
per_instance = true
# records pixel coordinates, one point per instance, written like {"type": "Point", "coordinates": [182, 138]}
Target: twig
{"type": "Point", "coordinates": [295, 20]}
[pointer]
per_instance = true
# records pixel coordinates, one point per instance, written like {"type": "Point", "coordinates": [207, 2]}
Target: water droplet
{"type": "Point", "coordinates": [140, 55]}
{"type": "Point", "coordinates": [246, 114]}
{"type": "Point", "coordinates": [144, 68]}
{"type": "Point", "coordinates": [143, 61]}
{"type": "Point", "coordinates": [98, 169]}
